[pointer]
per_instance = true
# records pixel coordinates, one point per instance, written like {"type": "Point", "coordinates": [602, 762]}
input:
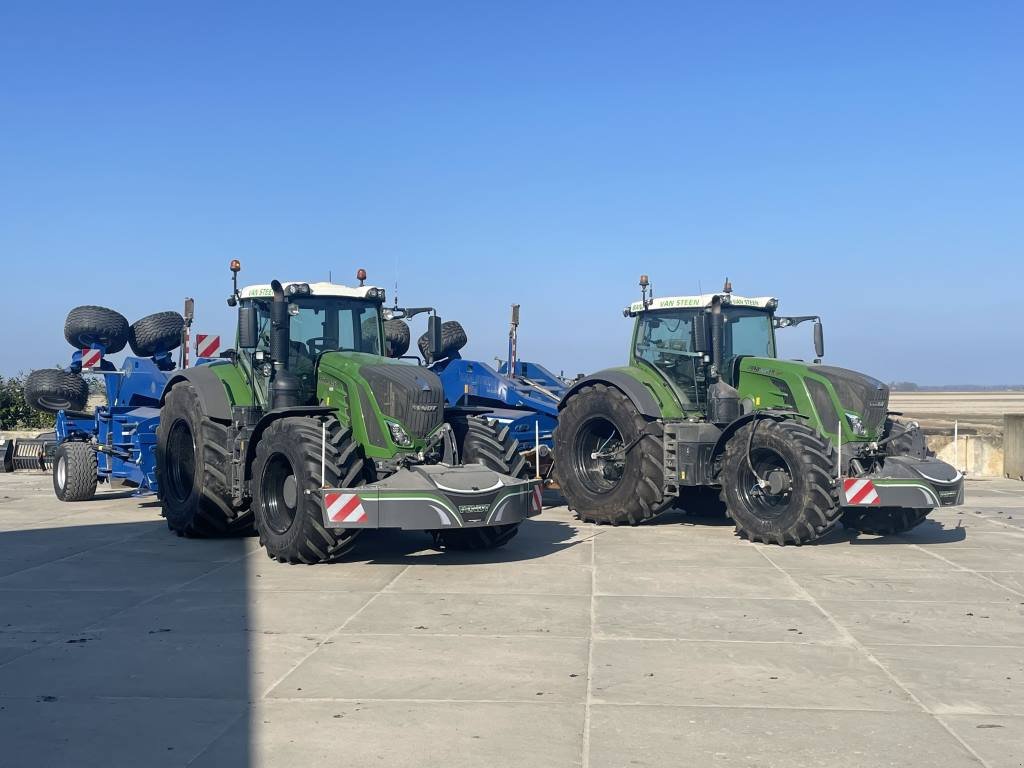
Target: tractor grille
{"type": "Point", "coordinates": [409, 393]}
{"type": "Point", "coordinates": [859, 394]}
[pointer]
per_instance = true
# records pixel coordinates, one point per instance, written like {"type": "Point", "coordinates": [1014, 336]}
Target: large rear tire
{"type": "Point", "coordinates": [883, 521]}
{"type": "Point", "coordinates": [608, 458]}
{"type": "Point", "coordinates": [193, 454]}
{"type": "Point", "coordinates": [74, 472]}
{"type": "Point", "coordinates": [88, 325]}
{"type": "Point", "coordinates": [51, 390]}
{"type": "Point", "coordinates": [290, 522]}
{"type": "Point", "coordinates": [482, 441]}
{"type": "Point", "coordinates": [801, 502]}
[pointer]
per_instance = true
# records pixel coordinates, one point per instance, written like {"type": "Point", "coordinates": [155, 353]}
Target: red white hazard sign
{"type": "Point", "coordinates": [206, 345]}
{"type": "Point", "coordinates": [538, 498]}
{"type": "Point", "coordinates": [344, 508]}
{"type": "Point", "coordinates": [860, 491]}
{"type": "Point", "coordinates": [91, 358]}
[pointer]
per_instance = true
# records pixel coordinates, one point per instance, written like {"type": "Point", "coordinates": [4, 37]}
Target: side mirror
{"type": "Point", "coordinates": [819, 339]}
{"type": "Point", "coordinates": [701, 326]}
{"type": "Point", "coordinates": [434, 337]}
{"type": "Point", "coordinates": [248, 332]}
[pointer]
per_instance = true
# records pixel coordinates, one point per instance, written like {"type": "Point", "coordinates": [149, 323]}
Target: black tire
{"type": "Point", "coordinates": [88, 325]}
{"type": "Point", "coordinates": [701, 501]}
{"type": "Point", "coordinates": [156, 333]}
{"type": "Point", "coordinates": [625, 489]}
{"type": "Point", "coordinates": [482, 441]}
{"type": "Point", "coordinates": [453, 338]}
{"type": "Point", "coordinates": [193, 454]}
{"type": "Point", "coordinates": [291, 523]}
{"type": "Point", "coordinates": [396, 338]}
{"type": "Point", "coordinates": [801, 514]}
{"type": "Point", "coordinates": [883, 521]}
{"type": "Point", "coordinates": [51, 390]}
{"type": "Point", "coordinates": [905, 443]}
{"type": "Point", "coordinates": [74, 472]}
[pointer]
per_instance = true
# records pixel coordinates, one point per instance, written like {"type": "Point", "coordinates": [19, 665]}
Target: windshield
{"type": "Point", "coordinates": [326, 324]}
{"type": "Point", "coordinates": [665, 340]}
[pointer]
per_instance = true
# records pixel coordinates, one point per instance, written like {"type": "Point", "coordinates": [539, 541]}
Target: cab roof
{"type": "Point", "coordinates": [315, 289]}
{"type": "Point", "coordinates": [703, 300]}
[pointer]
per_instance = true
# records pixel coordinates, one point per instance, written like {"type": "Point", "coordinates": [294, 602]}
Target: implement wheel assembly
{"type": "Point", "coordinates": [51, 390]}
{"type": "Point", "coordinates": [778, 482]}
{"type": "Point", "coordinates": [74, 472]}
{"type": "Point", "coordinates": [485, 442]}
{"type": "Point", "coordinates": [608, 458]}
{"type": "Point", "coordinates": [290, 521]}
{"type": "Point", "coordinates": [156, 333]}
{"type": "Point", "coordinates": [88, 325]}
{"type": "Point", "coordinates": [192, 457]}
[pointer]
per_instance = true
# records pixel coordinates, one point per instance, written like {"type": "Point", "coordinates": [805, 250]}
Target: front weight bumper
{"type": "Point", "coordinates": [905, 481]}
{"type": "Point", "coordinates": [433, 497]}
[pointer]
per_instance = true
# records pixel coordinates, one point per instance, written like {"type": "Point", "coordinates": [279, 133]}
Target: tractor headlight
{"type": "Point", "coordinates": [376, 294]}
{"type": "Point", "coordinates": [297, 289]}
{"type": "Point", "coordinates": [399, 435]}
{"type": "Point", "coordinates": [856, 424]}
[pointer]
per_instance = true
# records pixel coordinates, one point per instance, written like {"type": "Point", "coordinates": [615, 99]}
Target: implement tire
{"type": "Point", "coordinates": [625, 486]}
{"type": "Point", "coordinates": [74, 472]}
{"type": "Point", "coordinates": [453, 338]}
{"type": "Point", "coordinates": [807, 510]}
{"type": "Point", "coordinates": [193, 454]}
{"type": "Point", "coordinates": [88, 325]}
{"type": "Point", "coordinates": [156, 333]}
{"type": "Point", "coordinates": [51, 390]}
{"type": "Point", "coordinates": [396, 338]}
{"type": "Point", "coordinates": [289, 521]}
{"type": "Point", "coordinates": [482, 441]}
{"type": "Point", "coordinates": [883, 521]}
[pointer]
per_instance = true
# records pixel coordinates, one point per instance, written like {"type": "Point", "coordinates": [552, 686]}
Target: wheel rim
{"type": "Point", "coordinates": [763, 502]}
{"type": "Point", "coordinates": [598, 460]}
{"type": "Point", "coordinates": [62, 472]}
{"type": "Point", "coordinates": [181, 461]}
{"type": "Point", "coordinates": [54, 404]}
{"type": "Point", "coordinates": [279, 492]}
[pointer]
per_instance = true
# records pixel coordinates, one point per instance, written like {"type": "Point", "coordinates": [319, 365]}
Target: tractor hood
{"type": "Point", "coordinates": [836, 394]}
{"type": "Point", "coordinates": [411, 395]}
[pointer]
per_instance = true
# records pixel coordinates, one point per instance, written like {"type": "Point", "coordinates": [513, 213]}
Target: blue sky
{"type": "Point", "coordinates": [863, 161]}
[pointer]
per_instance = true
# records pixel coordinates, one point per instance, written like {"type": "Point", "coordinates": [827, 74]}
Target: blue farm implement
{"type": "Point", "coordinates": [115, 441]}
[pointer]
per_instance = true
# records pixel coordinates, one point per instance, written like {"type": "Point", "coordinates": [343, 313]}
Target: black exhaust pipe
{"type": "Point", "coordinates": [283, 391]}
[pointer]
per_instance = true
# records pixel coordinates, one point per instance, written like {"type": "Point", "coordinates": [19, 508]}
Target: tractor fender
{"type": "Point", "coordinates": [637, 393]}
{"type": "Point", "coordinates": [212, 396]}
{"type": "Point", "coordinates": [277, 414]}
{"type": "Point", "coordinates": [746, 418]}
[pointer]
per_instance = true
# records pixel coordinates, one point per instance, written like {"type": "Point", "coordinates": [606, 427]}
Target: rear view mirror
{"type": "Point", "coordinates": [434, 337]}
{"type": "Point", "coordinates": [700, 332]}
{"type": "Point", "coordinates": [819, 339]}
{"type": "Point", "coordinates": [247, 331]}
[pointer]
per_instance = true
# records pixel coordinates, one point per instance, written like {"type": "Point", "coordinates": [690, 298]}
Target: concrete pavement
{"type": "Point", "coordinates": [669, 644]}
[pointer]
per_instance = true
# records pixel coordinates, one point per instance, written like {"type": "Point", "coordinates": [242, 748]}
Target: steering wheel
{"type": "Point", "coordinates": [320, 344]}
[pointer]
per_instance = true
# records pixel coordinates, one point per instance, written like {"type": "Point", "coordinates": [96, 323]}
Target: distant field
{"type": "Point", "coordinates": [980, 411]}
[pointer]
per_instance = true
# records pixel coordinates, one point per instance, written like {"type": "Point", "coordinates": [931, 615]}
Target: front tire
{"type": "Point", "coordinates": [800, 504]}
{"type": "Point", "coordinates": [482, 441]}
{"type": "Point", "coordinates": [286, 480]}
{"type": "Point", "coordinates": [608, 458]}
{"type": "Point", "coordinates": [883, 521]}
{"type": "Point", "coordinates": [74, 472]}
{"type": "Point", "coordinates": [193, 454]}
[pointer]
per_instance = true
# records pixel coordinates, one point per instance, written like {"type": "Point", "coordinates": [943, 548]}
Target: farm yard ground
{"type": "Point", "coordinates": [978, 412]}
{"type": "Point", "coordinates": [669, 644]}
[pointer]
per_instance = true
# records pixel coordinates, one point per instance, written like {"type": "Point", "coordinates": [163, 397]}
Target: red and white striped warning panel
{"type": "Point", "coordinates": [344, 508]}
{"type": "Point", "coordinates": [538, 498]}
{"type": "Point", "coordinates": [860, 491]}
{"type": "Point", "coordinates": [206, 345]}
{"type": "Point", "coordinates": [91, 357]}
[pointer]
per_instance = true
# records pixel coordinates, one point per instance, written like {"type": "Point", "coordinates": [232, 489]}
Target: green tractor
{"type": "Point", "coordinates": [314, 428]}
{"type": "Point", "coordinates": [706, 417]}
